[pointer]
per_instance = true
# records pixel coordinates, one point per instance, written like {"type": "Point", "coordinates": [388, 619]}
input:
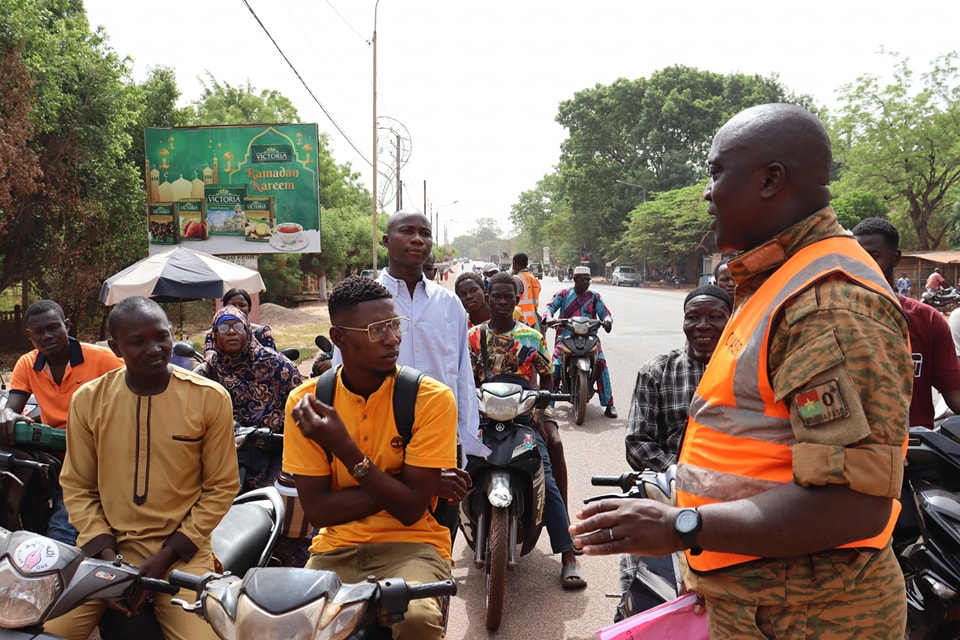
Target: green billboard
{"type": "Point", "coordinates": [234, 189]}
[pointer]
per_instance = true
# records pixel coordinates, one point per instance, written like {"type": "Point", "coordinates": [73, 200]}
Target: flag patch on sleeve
{"type": "Point", "coordinates": [821, 403]}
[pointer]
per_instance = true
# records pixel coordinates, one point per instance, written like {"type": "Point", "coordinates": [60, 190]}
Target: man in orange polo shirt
{"type": "Point", "coordinates": [368, 494]}
{"type": "Point", "coordinates": [52, 372]}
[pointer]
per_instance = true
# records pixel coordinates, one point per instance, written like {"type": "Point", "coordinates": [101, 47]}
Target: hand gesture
{"type": "Point", "coordinates": [627, 525]}
{"type": "Point", "coordinates": [321, 423]}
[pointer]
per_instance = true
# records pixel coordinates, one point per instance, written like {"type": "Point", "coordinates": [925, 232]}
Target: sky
{"type": "Point", "coordinates": [476, 90]}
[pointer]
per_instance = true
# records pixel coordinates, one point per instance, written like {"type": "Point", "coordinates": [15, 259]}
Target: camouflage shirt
{"type": "Point", "coordinates": [835, 325]}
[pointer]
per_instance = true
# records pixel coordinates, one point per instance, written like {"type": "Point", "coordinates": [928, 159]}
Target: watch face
{"type": "Point", "coordinates": [687, 521]}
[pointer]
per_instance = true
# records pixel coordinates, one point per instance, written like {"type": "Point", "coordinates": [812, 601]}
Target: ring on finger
{"type": "Point", "coordinates": [610, 533]}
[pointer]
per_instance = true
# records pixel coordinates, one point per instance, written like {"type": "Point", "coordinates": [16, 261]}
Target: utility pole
{"type": "Point", "coordinates": [374, 231]}
{"type": "Point", "coordinates": [399, 184]}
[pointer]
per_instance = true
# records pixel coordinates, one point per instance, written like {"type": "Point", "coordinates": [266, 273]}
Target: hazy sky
{"type": "Point", "coordinates": [478, 88]}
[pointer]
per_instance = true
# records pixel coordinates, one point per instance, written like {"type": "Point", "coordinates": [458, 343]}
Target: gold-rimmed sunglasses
{"type": "Point", "coordinates": [377, 331]}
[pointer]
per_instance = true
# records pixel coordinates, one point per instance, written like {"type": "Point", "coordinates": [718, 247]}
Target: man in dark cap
{"type": "Point", "coordinates": [792, 460]}
{"type": "Point", "coordinates": [658, 412]}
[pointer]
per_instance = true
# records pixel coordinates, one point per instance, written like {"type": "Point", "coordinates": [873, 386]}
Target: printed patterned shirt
{"type": "Point", "coordinates": [658, 411]}
{"type": "Point", "coordinates": [522, 351]}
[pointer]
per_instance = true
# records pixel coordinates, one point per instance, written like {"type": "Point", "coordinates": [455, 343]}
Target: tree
{"type": "Point", "coordinates": [672, 226]}
{"type": "Point", "coordinates": [223, 103]}
{"type": "Point", "coordinates": [902, 141]}
{"type": "Point", "coordinates": [653, 133]}
{"type": "Point", "coordinates": [78, 114]}
{"type": "Point", "coordinates": [856, 205]}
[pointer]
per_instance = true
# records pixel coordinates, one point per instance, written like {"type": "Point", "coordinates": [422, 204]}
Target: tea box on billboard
{"type": "Point", "coordinates": [162, 223]}
{"type": "Point", "coordinates": [224, 205]}
{"type": "Point", "coordinates": [260, 218]}
{"type": "Point", "coordinates": [192, 220]}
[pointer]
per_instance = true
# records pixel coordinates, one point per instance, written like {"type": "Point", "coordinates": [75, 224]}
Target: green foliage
{"type": "Point", "coordinates": [674, 225]}
{"type": "Point", "coordinates": [652, 133]}
{"type": "Point", "coordinates": [902, 141]}
{"type": "Point", "coordinates": [223, 103]}
{"type": "Point", "coordinates": [854, 206]}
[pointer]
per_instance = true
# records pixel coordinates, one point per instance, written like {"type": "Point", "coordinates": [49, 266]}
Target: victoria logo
{"type": "Point", "coordinates": [272, 153]}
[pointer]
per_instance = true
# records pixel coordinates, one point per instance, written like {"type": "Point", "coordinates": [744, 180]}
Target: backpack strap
{"type": "Point", "coordinates": [404, 401]}
{"type": "Point", "coordinates": [405, 390]}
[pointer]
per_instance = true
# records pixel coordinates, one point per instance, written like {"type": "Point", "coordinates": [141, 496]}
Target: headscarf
{"type": "Point", "coordinates": [258, 379]}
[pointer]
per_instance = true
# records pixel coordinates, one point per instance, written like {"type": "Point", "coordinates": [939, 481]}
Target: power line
{"type": "Point", "coordinates": [350, 26]}
{"type": "Point", "coordinates": [304, 83]}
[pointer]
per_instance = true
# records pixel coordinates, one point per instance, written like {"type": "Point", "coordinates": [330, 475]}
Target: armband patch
{"type": "Point", "coordinates": [821, 403]}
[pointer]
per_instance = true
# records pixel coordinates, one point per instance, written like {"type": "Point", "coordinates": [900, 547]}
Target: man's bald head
{"type": "Point", "coordinates": [769, 167]}
{"type": "Point", "coordinates": [787, 134]}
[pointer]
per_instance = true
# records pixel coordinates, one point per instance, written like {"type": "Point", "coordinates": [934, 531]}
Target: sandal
{"type": "Point", "coordinates": [570, 577]}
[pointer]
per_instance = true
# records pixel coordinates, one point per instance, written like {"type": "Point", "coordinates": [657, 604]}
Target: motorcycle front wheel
{"type": "Point", "coordinates": [496, 565]}
{"type": "Point", "coordinates": [580, 395]}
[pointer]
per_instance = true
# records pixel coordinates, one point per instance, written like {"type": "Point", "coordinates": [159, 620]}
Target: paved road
{"type": "Point", "coordinates": [646, 322]}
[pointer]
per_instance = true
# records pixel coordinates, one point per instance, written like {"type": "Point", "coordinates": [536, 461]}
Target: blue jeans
{"type": "Point", "coordinates": [59, 527]}
{"type": "Point", "coordinates": [555, 511]}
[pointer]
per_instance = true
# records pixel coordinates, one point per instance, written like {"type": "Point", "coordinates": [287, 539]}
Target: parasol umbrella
{"type": "Point", "coordinates": [179, 275]}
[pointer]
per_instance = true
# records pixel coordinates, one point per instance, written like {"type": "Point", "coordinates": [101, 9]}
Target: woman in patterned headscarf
{"type": "Point", "coordinates": [258, 381]}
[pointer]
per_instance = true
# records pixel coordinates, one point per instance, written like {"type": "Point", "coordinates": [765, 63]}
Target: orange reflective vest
{"type": "Point", "coordinates": [529, 298]}
{"type": "Point", "coordinates": [738, 441]}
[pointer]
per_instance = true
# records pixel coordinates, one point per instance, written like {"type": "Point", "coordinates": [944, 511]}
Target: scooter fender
{"type": "Point", "coordinates": [583, 364]}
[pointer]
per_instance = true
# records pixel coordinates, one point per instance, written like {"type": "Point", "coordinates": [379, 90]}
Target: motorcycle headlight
{"type": "Point", "coordinates": [318, 620]}
{"type": "Point", "coordinates": [25, 600]}
{"type": "Point", "coordinates": [580, 326]}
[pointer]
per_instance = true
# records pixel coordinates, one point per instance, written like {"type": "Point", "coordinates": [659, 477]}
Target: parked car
{"type": "Point", "coordinates": [536, 269]}
{"type": "Point", "coordinates": [626, 276]}
{"type": "Point", "coordinates": [368, 273]}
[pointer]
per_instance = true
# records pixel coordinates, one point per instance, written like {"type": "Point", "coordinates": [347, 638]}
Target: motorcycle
{"type": "Point", "coordinates": [31, 409]}
{"type": "Point", "coordinates": [944, 300]}
{"type": "Point", "coordinates": [505, 508]}
{"type": "Point", "coordinates": [651, 584]}
{"type": "Point", "coordinates": [927, 535]}
{"type": "Point", "coordinates": [578, 360]}
{"type": "Point", "coordinates": [302, 604]}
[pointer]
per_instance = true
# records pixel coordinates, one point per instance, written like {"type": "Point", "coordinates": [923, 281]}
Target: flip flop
{"type": "Point", "coordinates": [571, 579]}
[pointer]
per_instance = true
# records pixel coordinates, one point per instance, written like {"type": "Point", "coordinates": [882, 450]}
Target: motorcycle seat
{"type": "Point", "coordinates": [239, 539]}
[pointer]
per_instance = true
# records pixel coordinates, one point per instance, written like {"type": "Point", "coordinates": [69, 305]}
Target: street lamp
{"type": "Point", "coordinates": [436, 214]}
{"type": "Point", "coordinates": [630, 184]}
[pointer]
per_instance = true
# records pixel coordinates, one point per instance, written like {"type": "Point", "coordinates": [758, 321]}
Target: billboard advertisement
{"type": "Point", "coordinates": [233, 189]}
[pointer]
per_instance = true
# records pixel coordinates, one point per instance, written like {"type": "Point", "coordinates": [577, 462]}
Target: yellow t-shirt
{"type": "Point", "coordinates": [371, 424]}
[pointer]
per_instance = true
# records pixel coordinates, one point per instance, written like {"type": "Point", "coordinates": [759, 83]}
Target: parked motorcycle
{"type": "Point", "coordinates": [184, 349]}
{"type": "Point", "coordinates": [505, 508]}
{"type": "Point", "coordinates": [302, 604]}
{"type": "Point", "coordinates": [578, 360]}
{"type": "Point", "coordinates": [945, 299]}
{"type": "Point", "coordinates": [648, 587]}
{"type": "Point", "coordinates": [31, 409]}
{"type": "Point", "coordinates": [927, 535]}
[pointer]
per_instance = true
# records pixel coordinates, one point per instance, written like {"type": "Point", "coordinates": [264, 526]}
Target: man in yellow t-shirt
{"type": "Point", "coordinates": [371, 497]}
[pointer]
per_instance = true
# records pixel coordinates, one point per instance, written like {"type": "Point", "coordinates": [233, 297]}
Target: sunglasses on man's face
{"type": "Point", "coordinates": [226, 327]}
{"type": "Point", "coordinates": [377, 331]}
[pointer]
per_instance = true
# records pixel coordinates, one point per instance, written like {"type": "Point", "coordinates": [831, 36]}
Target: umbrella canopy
{"type": "Point", "coordinates": [179, 275]}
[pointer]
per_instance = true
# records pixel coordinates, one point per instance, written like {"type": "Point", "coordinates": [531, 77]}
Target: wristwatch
{"type": "Point", "coordinates": [687, 523]}
{"type": "Point", "coordinates": [361, 468]}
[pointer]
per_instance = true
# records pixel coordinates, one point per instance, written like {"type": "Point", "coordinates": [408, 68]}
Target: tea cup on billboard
{"type": "Point", "coordinates": [288, 232]}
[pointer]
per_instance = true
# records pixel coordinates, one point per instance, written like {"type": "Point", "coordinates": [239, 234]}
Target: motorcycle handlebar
{"type": "Point", "coordinates": [9, 461]}
{"type": "Point", "coordinates": [163, 586]}
{"type": "Point", "coordinates": [625, 481]}
{"type": "Point", "coordinates": [184, 580]}
{"type": "Point", "coordinates": [433, 589]}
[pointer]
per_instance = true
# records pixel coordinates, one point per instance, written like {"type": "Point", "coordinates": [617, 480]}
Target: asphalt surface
{"type": "Point", "coordinates": [646, 322]}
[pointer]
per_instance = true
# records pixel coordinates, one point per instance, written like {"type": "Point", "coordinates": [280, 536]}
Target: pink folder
{"type": "Point", "coordinates": [674, 620]}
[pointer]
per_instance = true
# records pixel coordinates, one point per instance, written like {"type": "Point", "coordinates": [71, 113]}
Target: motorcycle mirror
{"type": "Point", "coordinates": [323, 343]}
{"type": "Point", "coordinates": [184, 349]}
{"type": "Point", "coordinates": [292, 354]}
